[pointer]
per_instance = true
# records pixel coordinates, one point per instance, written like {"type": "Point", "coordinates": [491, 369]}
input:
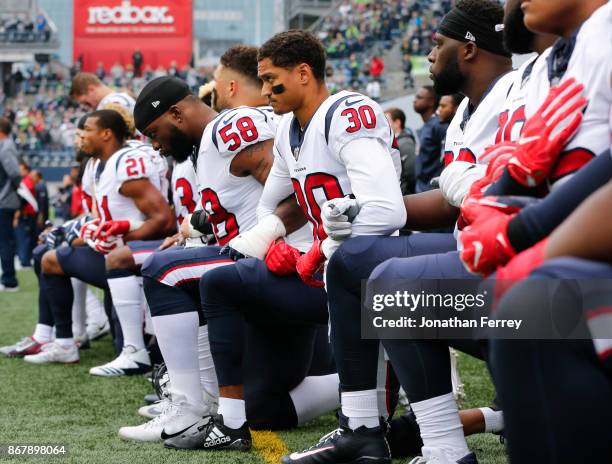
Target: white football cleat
{"type": "Point", "coordinates": [173, 421]}
{"type": "Point", "coordinates": [129, 362]}
{"type": "Point", "coordinates": [97, 330]}
{"type": "Point", "coordinates": [151, 411]}
{"type": "Point", "coordinates": [54, 353]}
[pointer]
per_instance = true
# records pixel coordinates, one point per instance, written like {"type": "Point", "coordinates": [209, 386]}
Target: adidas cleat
{"type": "Point", "coordinates": [25, 346]}
{"type": "Point", "coordinates": [211, 434]}
{"type": "Point", "coordinates": [129, 362]}
{"type": "Point", "coordinates": [346, 446]}
{"type": "Point", "coordinates": [54, 353]}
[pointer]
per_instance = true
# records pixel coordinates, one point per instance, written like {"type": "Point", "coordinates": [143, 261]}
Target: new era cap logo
{"type": "Point", "coordinates": [155, 103]}
{"type": "Point", "coordinates": [470, 36]}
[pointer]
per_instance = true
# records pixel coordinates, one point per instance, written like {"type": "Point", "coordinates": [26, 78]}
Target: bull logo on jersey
{"type": "Point", "coordinates": [296, 153]}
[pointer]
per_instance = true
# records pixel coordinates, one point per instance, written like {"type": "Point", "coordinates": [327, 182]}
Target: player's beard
{"type": "Point", "coordinates": [181, 146]}
{"type": "Point", "coordinates": [449, 80]}
{"type": "Point", "coordinates": [517, 38]}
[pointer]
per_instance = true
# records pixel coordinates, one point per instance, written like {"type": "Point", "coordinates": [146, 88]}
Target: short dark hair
{"type": "Point", "coordinates": [25, 164]}
{"type": "Point", "coordinates": [487, 11]}
{"type": "Point", "coordinates": [433, 93]}
{"type": "Point", "coordinates": [5, 125]}
{"type": "Point", "coordinates": [291, 48]}
{"type": "Point", "coordinates": [110, 119]}
{"type": "Point", "coordinates": [242, 59]}
{"type": "Point", "coordinates": [457, 98]}
{"type": "Point", "coordinates": [396, 114]}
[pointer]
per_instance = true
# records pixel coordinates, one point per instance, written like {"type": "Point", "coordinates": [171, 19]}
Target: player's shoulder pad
{"type": "Point", "coordinates": [133, 163]}
{"type": "Point", "coordinates": [355, 116]}
{"type": "Point", "coordinates": [237, 128]}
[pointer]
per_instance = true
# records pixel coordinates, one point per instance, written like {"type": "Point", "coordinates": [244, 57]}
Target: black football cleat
{"type": "Point", "coordinates": [346, 446]}
{"type": "Point", "coordinates": [211, 434]}
{"type": "Point", "coordinates": [404, 436]}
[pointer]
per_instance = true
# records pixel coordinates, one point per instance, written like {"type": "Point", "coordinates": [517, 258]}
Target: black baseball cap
{"type": "Point", "coordinates": [156, 98]}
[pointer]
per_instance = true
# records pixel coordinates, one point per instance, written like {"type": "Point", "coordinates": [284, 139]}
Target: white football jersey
{"type": "Point", "coordinates": [590, 63]}
{"type": "Point", "coordinates": [124, 165]}
{"type": "Point", "coordinates": [87, 186]}
{"type": "Point", "coordinates": [471, 132]}
{"type": "Point", "coordinates": [120, 98]}
{"type": "Point", "coordinates": [320, 169]}
{"type": "Point", "coordinates": [185, 194]}
{"type": "Point", "coordinates": [231, 201]}
{"type": "Point", "coordinates": [512, 117]}
{"type": "Point", "coordinates": [159, 161]}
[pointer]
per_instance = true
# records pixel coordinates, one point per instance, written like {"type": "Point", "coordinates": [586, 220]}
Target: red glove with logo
{"type": "Point", "coordinates": [547, 132]}
{"type": "Point", "coordinates": [498, 157]}
{"type": "Point", "coordinates": [282, 258]}
{"type": "Point", "coordinates": [310, 263]}
{"type": "Point", "coordinates": [119, 228]}
{"type": "Point", "coordinates": [485, 244]}
{"type": "Point", "coordinates": [88, 229]}
{"type": "Point", "coordinates": [519, 268]}
{"type": "Point", "coordinates": [106, 244]}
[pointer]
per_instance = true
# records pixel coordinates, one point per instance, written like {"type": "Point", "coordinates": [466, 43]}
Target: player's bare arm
{"type": "Point", "coordinates": [160, 221]}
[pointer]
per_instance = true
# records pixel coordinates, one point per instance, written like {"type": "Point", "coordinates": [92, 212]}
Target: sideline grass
{"type": "Point", "coordinates": [64, 404]}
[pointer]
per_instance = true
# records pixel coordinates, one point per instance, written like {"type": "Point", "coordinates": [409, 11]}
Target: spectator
{"type": "Point", "coordinates": [373, 90]}
{"type": "Point", "coordinates": [431, 136]}
{"type": "Point", "coordinates": [42, 198]}
{"type": "Point", "coordinates": [407, 148]}
{"type": "Point", "coordinates": [448, 107]}
{"type": "Point", "coordinates": [137, 62]}
{"type": "Point", "coordinates": [25, 217]}
{"type": "Point", "coordinates": [100, 72]}
{"type": "Point", "coordinates": [9, 203]}
{"type": "Point", "coordinates": [377, 66]}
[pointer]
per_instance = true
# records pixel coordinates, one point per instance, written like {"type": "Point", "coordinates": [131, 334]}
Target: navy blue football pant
{"type": "Point", "coordinates": [7, 247]}
{"type": "Point", "coordinates": [556, 394]}
{"type": "Point", "coordinates": [84, 264]}
{"type": "Point", "coordinates": [357, 358]}
{"type": "Point", "coordinates": [423, 366]}
{"type": "Point", "coordinates": [267, 332]}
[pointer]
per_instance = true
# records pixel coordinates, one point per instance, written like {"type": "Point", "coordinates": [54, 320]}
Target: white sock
{"type": "Point", "coordinates": [208, 376]}
{"type": "Point", "coordinates": [177, 336]}
{"type": "Point", "coordinates": [94, 308]}
{"type": "Point", "coordinates": [233, 412]}
{"type": "Point", "coordinates": [441, 428]}
{"type": "Point", "coordinates": [127, 298]}
{"type": "Point", "coordinates": [314, 396]}
{"type": "Point", "coordinates": [494, 420]}
{"type": "Point", "coordinates": [79, 314]}
{"type": "Point", "coordinates": [148, 322]}
{"type": "Point", "coordinates": [361, 408]}
{"type": "Point", "coordinates": [65, 342]}
{"type": "Point", "coordinates": [43, 333]}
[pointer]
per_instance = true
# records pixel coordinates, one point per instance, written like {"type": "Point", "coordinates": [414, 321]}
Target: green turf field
{"type": "Point", "coordinates": [64, 404]}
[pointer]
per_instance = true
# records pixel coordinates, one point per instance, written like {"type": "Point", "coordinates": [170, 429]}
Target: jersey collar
{"type": "Point", "coordinates": [560, 56]}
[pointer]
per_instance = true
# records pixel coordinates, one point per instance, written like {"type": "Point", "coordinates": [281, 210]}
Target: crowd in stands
{"type": "Point", "coordinates": [357, 34]}
{"type": "Point", "coordinates": [44, 117]}
{"type": "Point", "coordinates": [19, 28]}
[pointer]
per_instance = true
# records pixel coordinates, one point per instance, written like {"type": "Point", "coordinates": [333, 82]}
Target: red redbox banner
{"type": "Point", "coordinates": [109, 31]}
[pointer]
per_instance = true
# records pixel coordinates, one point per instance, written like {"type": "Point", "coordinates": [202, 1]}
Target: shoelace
{"type": "Point", "coordinates": [326, 438]}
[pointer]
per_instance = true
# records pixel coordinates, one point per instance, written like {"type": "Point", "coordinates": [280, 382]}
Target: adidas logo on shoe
{"type": "Point", "coordinates": [217, 439]}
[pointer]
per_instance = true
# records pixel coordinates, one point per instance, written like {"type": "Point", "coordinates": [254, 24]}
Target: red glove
{"type": "Point", "coordinates": [310, 263]}
{"type": "Point", "coordinates": [497, 157]}
{"type": "Point", "coordinates": [113, 228]}
{"type": "Point", "coordinates": [88, 229]}
{"type": "Point", "coordinates": [546, 133]}
{"type": "Point", "coordinates": [282, 258]}
{"type": "Point", "coordinates": [484, 243]}
{"type": "Point", "coordinates": [106, 244]}
{"type": "Point", "coordinates": [519, 268]}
